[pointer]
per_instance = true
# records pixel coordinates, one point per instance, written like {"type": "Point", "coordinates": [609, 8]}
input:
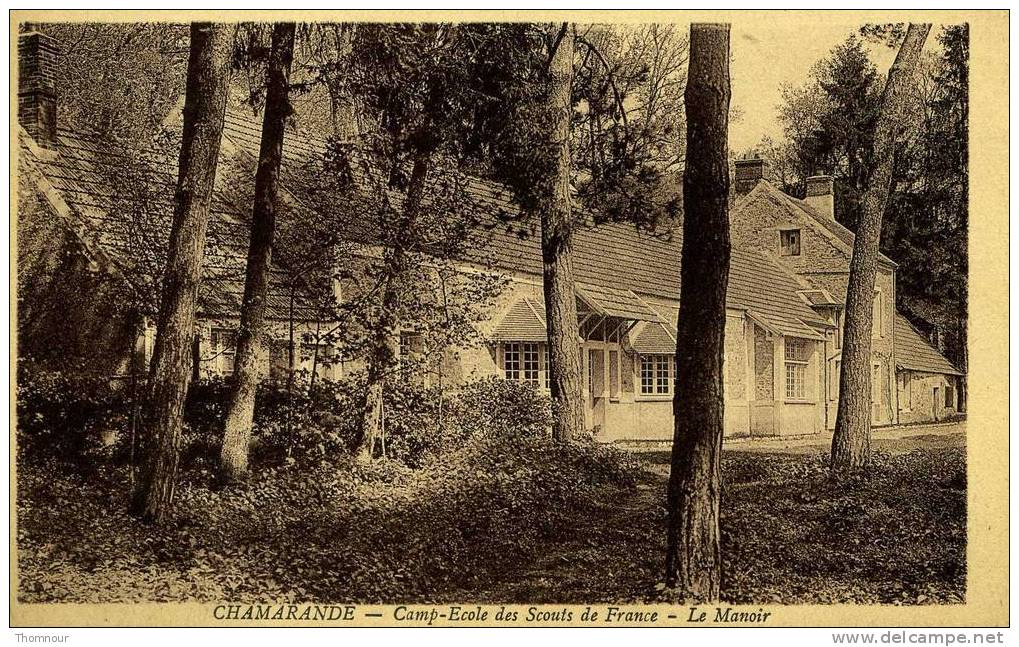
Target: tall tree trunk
{"type": "Point", "coordinates": [233, 457]}
{"type": "Point", "coordinates": [850, 447]}
{"type": "Point", "coordinates": [204, 105]}
{"type": "Point", "coordinates": [693, 558]}
{"type": "Point", "coordinates": [557, 255]}
{"type": "Point", "coordinates": [342, 113]}
{"type": "Point", "coordinates": [383, 354]}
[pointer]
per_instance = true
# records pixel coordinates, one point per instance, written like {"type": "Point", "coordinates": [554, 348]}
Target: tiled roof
{"type": "Point", "coordinates": [623, 304]}
{"type": "Point", "coordinates": [132, 226]}
{"type": "Point", "coordinates": [614, 256]}
{"type": "Point", "coordinates": [655, 338]}
{"type": "Point", "coordinates": [784, 327]}
{"type": "Point", "coordinates": [913, 352]}
{"type": "Point", "coordinates": [820, 298]}
{"type": "Point", "coordinates": [524, 321]}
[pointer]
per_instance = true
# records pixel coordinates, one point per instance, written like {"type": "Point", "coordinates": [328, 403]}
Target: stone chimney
{"type": "Point", "coordinates": [748, 172]}
{"type": "Point", "coordinates": [38, 55]}
{"type": "Point", "coordinates": [821, 195]}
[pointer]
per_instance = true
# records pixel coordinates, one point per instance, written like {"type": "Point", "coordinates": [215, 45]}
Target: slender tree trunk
{"type": "Point", "coordinates": [850, 447]}
{"type": "Point", "coordinates": [557, 254]}
{"type": "Point", "coordinates": [291, 363]}
{"type": "Point", "coordinates": [383, 354]}
{"type": "Point", "coordinates": [314, 358]}
{"type": "Point", "coordinates": [693, 558]}
{"type": "Point", "coordinates": [204, 105]}
{"type": "Point", "coordinates": [343, 115]}
{"type": "Point", "coordinates": [233, 457]}
{"type": "Point", "coordinates": [963, 365]}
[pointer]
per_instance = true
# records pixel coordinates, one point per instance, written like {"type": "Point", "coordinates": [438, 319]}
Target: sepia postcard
{"type": "Point", "coordinates": [502, 319]}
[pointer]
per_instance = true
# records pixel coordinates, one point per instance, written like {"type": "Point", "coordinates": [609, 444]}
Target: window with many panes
{"type": "Point", "coordinates": [530, 352]}
{"type": "Point", "coordinates": [790, 242]}
{"type": "Point", "coordinates": [656, 374]}
{"type": "Point", "coordinates": [797, 353]}
{"type": "Point", "coordinates": [545, 363]}
{"type": "Point", "coordinates": [520, 362]}
{"type": "Point", "coordinates": [411, 355]}
{"type": "Point", "coordinates": [224, 350]}
{"type": "Point", "coordinates": [877, 326]}
{"type": "Point", "coordinates": [833, 379]}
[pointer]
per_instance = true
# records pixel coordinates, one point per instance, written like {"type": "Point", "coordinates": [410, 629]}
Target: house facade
{"type": "Point", "coordinates": [627, 300]}
{"type": "Point", "coordinates": [804, 237]}
{"type": "Point", "coordinates": [93, 227]}
{"type": "Point", "coordinates": [784, 303]}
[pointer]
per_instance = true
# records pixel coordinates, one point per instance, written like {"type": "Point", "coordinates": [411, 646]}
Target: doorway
{"type": "Point", "coordinates": [596, 387]}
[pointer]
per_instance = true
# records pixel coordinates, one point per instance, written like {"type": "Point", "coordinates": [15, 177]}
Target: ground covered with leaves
{"type": "Point", "coordinates": [511, 520]}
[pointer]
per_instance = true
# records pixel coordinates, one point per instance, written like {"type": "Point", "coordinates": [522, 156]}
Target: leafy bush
{"type": "Point", "coordinates": [291, 420]}
{"type": "Point", "coordinates": [503, 408]}
{"type": "Point", "coordinates": [422, 423]}
{"type": "Point", "coordinates": [69, 415]}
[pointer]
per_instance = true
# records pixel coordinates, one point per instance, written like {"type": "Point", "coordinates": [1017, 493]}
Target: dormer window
{"type": "Point", "coordinates": [790, 242]}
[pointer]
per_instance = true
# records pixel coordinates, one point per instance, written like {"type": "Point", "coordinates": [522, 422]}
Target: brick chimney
{"type": "Point", "coordinates": [821, 195]}
{"type": "Point", "coordinates": [748, 172]}
{"type": "Point", "coordinates": [38, 55]}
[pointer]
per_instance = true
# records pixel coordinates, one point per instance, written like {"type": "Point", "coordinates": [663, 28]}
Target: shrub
{"type": "Point", "coordinates": [503, 408]}
{"type": "Point", "coordinates": [422, 422]}
{"type": "Point", "coordinates": [69, 415]}
{"type": "Point", "coordinates": [412, 425]}
{"type": "Point", "coordinates": [292, 420]}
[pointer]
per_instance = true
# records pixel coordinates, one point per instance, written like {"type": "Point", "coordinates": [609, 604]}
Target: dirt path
{"type": "Point", "coordinates": [892, 440]}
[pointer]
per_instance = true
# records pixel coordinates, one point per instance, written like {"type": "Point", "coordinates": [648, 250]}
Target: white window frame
{"type": "Point", "coordinates": [877, 326]}
{"type": "Point", "coordinates": [223, 355]}
{"type": "Point", "coordinates": [800, 370]}
{"type": "Point", "coordinates": [526, 358]}
{"type": "Point", "coordinates": [656, 362]}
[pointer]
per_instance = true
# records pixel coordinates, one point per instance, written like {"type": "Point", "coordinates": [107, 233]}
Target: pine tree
{"type": "Point", "coordinates": [851, 441]}
{"type": "Point", "coordinates": [204, 107]}
{"type": "Point", "coordinates": [693, 557]}
{"type": "Point", "coordinates": [241, 408]}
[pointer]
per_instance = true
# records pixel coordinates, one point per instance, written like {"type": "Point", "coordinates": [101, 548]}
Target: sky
{"type": "Point", "coordinates": [767, 55]}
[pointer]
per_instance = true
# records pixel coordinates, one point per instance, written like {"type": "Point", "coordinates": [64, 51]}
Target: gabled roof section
{"type": "Point", "coordinates": [123, 206]}
{"type": "Point", "coordinates": [799, 210]}
{"type": "Point", "coordinates": [524, 321]}
{"type": "Point", "coordinates": [820, 298]}
{"type": "Point", "coordinates": [914, 353]}
{"type": "Point", "coordinates": [655, 338]}
{"type": "Point", "coordinates": [784, 327]}
{"type": "Point", "coordinates": [623, 304]}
